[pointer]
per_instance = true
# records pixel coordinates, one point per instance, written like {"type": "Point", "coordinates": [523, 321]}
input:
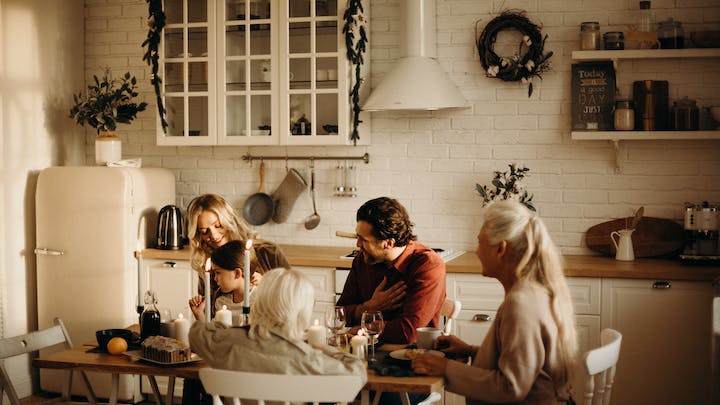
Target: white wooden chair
{"type": "Point", "coordinates": [450, 311]}
{"type": "Point", "coordinates": [285, 388]}
{"type": "Point", "coordinates": [600, 364]}
{"type": "Point", "coordinates": [32, 342]}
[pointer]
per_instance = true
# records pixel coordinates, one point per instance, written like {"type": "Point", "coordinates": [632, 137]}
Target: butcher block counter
{"type": "Point", "coordinates": [576, 266]}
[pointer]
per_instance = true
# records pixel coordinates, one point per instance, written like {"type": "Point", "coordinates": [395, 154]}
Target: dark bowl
{"type": "Point", "coordinates": [104, 336]}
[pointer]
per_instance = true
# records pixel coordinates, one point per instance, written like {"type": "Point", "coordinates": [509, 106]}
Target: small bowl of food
{"type": "Point", "coordinates": [104, 336]}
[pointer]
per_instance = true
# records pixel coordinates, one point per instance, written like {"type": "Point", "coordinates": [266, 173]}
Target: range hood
{"type": "Point", "coordinates": [417, 81]}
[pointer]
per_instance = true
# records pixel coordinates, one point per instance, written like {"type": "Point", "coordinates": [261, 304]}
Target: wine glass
{"type": "Point", "coordinates": [372, 324]}
{"type": "Point", "coordinates": [335, 321]}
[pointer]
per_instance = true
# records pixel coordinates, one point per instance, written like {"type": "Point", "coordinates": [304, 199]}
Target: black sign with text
{"type": "Point", "coordinates": [593, 96]}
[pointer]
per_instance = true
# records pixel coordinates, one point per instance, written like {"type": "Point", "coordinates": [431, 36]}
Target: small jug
{"type": "Point", "coordinates": [623, 245]}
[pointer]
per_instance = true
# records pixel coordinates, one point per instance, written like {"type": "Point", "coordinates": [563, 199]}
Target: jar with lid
{"type": "Point", "coordinates": [614, 40]}
{"type": "Point", "coordinates": [624, 115]}
{"type": "Point", "coordinates": [685, 115]}
{"type": "Point", "coordinates": [590, 36]}
{"type": "Point", "coordinates": [671, 34]}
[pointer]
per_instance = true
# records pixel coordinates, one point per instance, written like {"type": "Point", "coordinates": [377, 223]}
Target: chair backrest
{"type": "Point", "coordinates": [450, 310]}
{"type": "Point", "coordinates": [600, 364]}
{"type": "Point", "coordinates": [263, 387]}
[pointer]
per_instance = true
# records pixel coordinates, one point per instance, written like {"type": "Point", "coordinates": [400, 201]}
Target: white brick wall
{"type": "Point", "coordinates": [432, 160]}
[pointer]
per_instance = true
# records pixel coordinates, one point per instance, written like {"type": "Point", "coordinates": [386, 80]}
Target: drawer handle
{"type": "Point", "coordinates": [662, 285]}
{"type": "Point", "coordinates": [170, 264]}
{"type": "Point", "coordinates": [482, 318]}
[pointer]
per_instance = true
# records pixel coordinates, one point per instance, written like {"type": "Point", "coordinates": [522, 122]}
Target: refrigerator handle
{"type": "Point", "coordinates": [48, 252]}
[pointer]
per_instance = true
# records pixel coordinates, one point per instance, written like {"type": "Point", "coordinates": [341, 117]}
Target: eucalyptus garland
{"type": "Point", "coordinates": [529, 61]}
{"type": "Point", "coordinates": [156, 23]}
{"type": "Point", "coordinates": [356, 47]}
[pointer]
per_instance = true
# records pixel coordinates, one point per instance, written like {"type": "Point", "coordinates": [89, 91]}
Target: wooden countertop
{"type": "Point", "coordinates": [576, 266]}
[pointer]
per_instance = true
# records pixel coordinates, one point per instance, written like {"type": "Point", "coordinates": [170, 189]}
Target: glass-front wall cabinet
{"type": "Point", "coordinates": [255, 72]}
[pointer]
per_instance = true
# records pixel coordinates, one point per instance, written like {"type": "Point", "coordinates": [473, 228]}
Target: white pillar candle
{"type": "Point", "coordinates": [317, 336]}
{"type": "Point", "coordinates": [359, 345]}
{"type": "Point", "coordinates": [182, 328]}
{"type": "Point", "coordinates": [208, 301]}
{"type": "Point", "coordinates": [224, 316]}
{"type": "Point", "coordinates": [246, 274]}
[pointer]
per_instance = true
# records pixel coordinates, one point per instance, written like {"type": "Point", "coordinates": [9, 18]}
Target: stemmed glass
{"type": "Point", "coordinates": [372, 324]}
{"type": "Point", "coordinates": [335, 321]}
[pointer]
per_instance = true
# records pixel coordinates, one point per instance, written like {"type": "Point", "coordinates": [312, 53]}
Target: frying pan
{"type": "Point", "coordinates": [259, 207]}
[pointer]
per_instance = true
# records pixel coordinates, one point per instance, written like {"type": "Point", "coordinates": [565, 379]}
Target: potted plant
{"type": "Point", "coordinates": [107, 102]}
{"type": "Point", "coordinates": [507, 186]}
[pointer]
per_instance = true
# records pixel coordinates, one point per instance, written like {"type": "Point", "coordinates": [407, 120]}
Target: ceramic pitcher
{"type": "Point", "coordinates": [622, 240]}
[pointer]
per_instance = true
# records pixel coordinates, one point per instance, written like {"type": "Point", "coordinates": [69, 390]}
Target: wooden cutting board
{"type": "Point", "coordinates": [653, 237]}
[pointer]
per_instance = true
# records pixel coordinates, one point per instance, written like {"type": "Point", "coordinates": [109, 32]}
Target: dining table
{"type": "Point", "coordinates": [88, 358]}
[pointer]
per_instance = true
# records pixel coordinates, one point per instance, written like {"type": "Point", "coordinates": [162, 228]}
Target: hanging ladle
{"type": "Point", "coordinates": [313, 220]}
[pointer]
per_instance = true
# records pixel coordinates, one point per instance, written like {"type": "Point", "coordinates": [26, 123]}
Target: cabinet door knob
{"type": "Point", "coordinates": [662, 285]}
{"type": "Point", "coordinates": [482, 318]}
{"type": "Point", "coordinates": [169, 264]}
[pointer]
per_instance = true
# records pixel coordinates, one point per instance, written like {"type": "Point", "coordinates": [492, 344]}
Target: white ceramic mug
{"type": "Point", "coordinates": [266, 71]}
{"type": "Point", "coordinates": [426, 337]}
{"type": "Point", "coordinates": [623, 245]}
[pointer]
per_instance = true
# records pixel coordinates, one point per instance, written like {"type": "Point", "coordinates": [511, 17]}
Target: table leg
{"type": "Point", "coordinates": [364, 397]}
{"type": "Point", "coordinates": [170, 390]}
{"type": "Point", "coordinates": [155, 390]}
{"type": "Point", "coordinates": [114, 389]}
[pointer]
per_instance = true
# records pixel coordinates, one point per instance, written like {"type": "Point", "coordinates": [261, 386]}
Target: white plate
{"type": "Point", "coordinates": [138, 353]}
{"type": "Point", "coordinates": [400, 354]}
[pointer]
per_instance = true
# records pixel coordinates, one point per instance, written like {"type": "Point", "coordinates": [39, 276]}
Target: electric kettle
{"type": "Point", "coordinates": [170, 228]}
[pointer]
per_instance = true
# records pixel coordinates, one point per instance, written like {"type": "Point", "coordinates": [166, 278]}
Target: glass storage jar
{"type": "Point", "coordinates": [590, 36]}
{"type": "Point", "coordinates": [685, 115]}
{"type": "Point", "coordinates": [614, 40]}
{"type": "Point", "coordinates": [671, 34]}
{"type": "Point", "coordinates": [624, 115]}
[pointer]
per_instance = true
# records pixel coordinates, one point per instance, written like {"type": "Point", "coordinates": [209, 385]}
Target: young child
{"type": "Point", "coordinates": [228, 265]}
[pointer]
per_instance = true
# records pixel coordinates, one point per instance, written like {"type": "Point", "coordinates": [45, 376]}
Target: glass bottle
{"type": "Point", "coordinates": [150, 318]}
{"type": "Point", "coordinates": [671, 34]}
{"type": "Point", "coordinates": [624, 115]}
{"type": "Point", "coordinates": [589, 36]}
{"type": "Point", "coordinates": [646, 27]}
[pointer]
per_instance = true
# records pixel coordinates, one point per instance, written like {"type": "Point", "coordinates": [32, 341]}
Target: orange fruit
{"type": "Point", "coordinates": [117, 345]}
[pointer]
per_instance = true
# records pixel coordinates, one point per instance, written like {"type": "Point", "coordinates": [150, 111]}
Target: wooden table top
{"type": "Point", "coordinates": [84, 358]}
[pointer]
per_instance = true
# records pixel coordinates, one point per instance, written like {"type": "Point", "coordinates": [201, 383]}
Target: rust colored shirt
{"type": "Point", "coordinates": [422, 270]}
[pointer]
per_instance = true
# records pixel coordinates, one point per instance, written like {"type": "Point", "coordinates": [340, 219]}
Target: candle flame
{"type": "Point", "coordinates": [180, 315]}
{"type": "Point", "coordinates": [208, 265]}
{"type": "Point", "coordinates": [316, 322]}
{"type": "Point", "coordinates": [224, 308]}
{"type": "Point", "coordinates": [361, 333]}
{"type": "Point", "coordinates": [248, 244]}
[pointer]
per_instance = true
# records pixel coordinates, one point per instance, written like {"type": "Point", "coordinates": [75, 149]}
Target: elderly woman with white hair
{"type": "Point", "coordinates": [529, 352]}
{"type": "Point", "coordinates": [273, 343]}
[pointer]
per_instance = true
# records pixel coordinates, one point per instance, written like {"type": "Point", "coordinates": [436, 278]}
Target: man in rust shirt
{"type": "Point", "coordinates": [393, 273]}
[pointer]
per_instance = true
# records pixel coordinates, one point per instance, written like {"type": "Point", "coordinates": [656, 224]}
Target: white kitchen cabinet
{"type": "Point", "coordinates": [665, 356]}
{"type": "Point", "coordinates": [323, 279]}
{"type": "Point", "coordinates": [256, 72]}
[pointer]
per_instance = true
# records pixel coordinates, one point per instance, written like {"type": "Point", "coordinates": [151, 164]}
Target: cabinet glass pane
{"type": "Point", "coordinates": [327, 116]}
{"type": "Point", "coordinates": [300, 114]}
{"type": "Point", "coordinates": [259, 40]}
{"type": "Point", "coordinates": [326, 36]}
{"type": "Point", "coordinates": [175, 109]}
{"type": "Point", "coordinates": [197, 11]}
{"type": "Point", "coordinates": [325, 7]}
{"type": "Point", "coordinates": [198, 76]}
{"type": "Point", "coordinates": [234, 10]}
{"type": "Point", "coordinates": [326, 73]}
{"type": "Point", "coordinates": [300, 73]}
{"type": "Point", "coordinates": [259, 9]}
{"type": "Point", "coordinates": [260, 75]}
{"type": "Point", "coordinates": [235, 75]}
{"type": "Point", "coordinates": [173, 76]}
{"type": "Point", "coordinates": [197, 41]}
{"type": "Point", "coordinates": [198, 110]}
{"type": "Point", "coordinates": [235, 40]}
{"type": "Point", "coordinates": [260, 107]}
{"type": "Point", "coordinates": [299, 8]}
{"type": "Point", "coordinates": [299, 41]}
{"type": "Point", "coordinates": [173, 11]}
{"type": "Point", "coordinates": [173, 38]}
{"type": "Point", "coordinates": [235, 115]}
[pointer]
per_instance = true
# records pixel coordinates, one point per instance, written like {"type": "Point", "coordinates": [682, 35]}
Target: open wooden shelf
{"type": "Point", "coordinates": [646, 54]}
{"type": "Point", "coordinates": [643, 135]}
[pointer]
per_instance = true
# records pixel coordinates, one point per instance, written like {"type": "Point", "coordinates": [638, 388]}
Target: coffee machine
{"type": "Point", "coordinates": [702, 226]}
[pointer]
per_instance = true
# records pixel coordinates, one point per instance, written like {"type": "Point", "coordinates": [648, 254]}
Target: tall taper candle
{"type": "Point", "coordinates": [246, 274]}
{"type": "Point", "coordinates": [138, 256]}
{"type": "Point", "coordinates": [208, 301]}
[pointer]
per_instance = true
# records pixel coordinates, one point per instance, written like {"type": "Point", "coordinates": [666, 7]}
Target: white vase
{"type": "Point", "coordinates": [108, 148]}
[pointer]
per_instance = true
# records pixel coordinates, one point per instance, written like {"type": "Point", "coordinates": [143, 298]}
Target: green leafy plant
{"type": "Point", "coordinates": [107, 102]}
{"type": "Point", "coordinates": [507, 185]}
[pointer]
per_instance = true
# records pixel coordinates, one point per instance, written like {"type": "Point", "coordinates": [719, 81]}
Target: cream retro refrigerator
{"type": "Point", "coordinates": [90, 220]}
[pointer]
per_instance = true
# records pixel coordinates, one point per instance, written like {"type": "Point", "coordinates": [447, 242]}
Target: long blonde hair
{"type": "Point", "coordinates": [282, 304]}
{"type": "Point", "coordinates": [539, 260]}
{"type": "Point", "coordinates": [199, 249]}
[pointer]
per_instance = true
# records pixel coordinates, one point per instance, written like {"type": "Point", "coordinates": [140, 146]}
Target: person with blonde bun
{"type": "Point", "coordinates": [529, 352]}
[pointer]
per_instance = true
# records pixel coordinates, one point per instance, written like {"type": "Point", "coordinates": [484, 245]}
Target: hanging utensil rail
{"type": "Point", "coordinates": [365, 158]}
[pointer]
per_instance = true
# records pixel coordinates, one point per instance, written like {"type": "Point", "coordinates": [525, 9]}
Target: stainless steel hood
{"type": "Point", "coordinates": [417, 81]}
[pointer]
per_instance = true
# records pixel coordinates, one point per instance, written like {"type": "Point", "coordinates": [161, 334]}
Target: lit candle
{"type": "Point", "coordinates": [138, 256]}
{"type": "Point", "coordinates": [182, 328]}
{"type": "Point", "coordinates": [208, 301]}
{"type": "Point", "coordinates": [359, 345]}
{"type": "Point", "coordinates": [246, 274]}
{"type": "Point", "coordinates": [224, 316]}
{"type": "Point", "coordinates": [316, 335]}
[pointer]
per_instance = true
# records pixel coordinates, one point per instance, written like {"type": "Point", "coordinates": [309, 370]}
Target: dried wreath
{"type": "Point", "coordinates": [529, 60]}
{"type": "Point", "coordinates": [355, 23]}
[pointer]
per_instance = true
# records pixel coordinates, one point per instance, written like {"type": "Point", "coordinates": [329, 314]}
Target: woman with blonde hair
{"type": "Point", "coordinates": [280, 313]}
{"type": "Point", "coordinates": [529, 352]}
